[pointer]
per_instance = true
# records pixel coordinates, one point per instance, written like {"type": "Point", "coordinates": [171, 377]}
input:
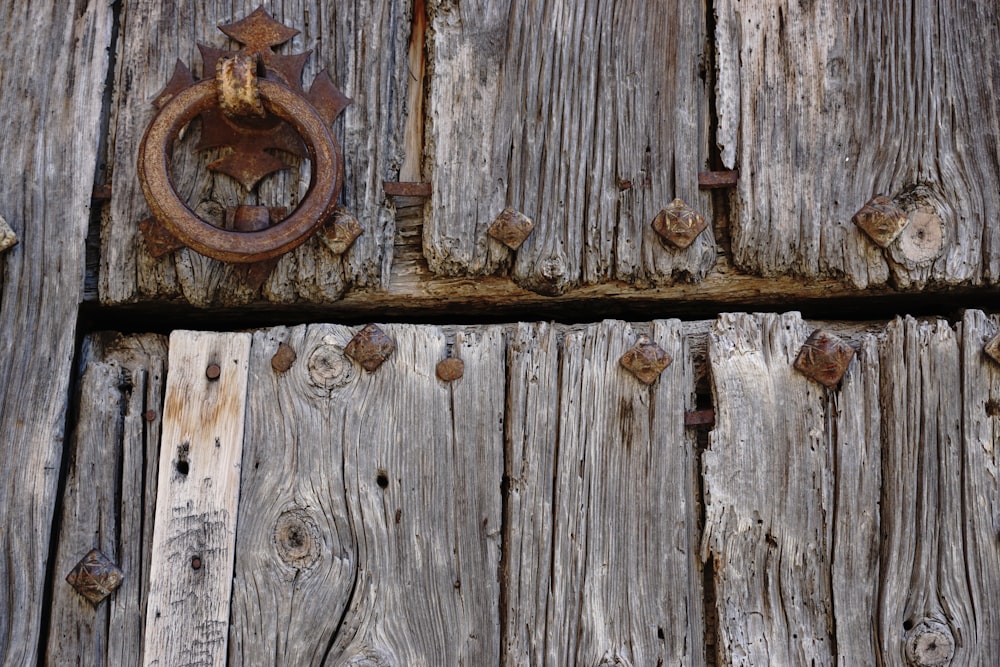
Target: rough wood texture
{"type": "Point", "coordinates": [109, 498]}
{"type": "Point", "coordinates": [588, 117]}
{"type": "Point", "coordinates": [51, 78]}
{"type": "Point", "coordinates": [823, 105]}
{"type": "Point", "coordinates": [601, 536]}
{"type": "Point", "coordinates": [364, 43]}
{"type": "Point", "coordinates": [198, 487]}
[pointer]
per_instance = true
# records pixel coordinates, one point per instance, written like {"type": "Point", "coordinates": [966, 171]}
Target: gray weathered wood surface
{"type": "Point", "coordinates": [363, 43]}
{"type": "Point", "coordinates": [109, 498]}
{"type": "Point", "coordinates": [823, 105]}
{"type": "Point", "coordinates": [559, 104]}
{"type": "Point", "coordinates": [51, 79]}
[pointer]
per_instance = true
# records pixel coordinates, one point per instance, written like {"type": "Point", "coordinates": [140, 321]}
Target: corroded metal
{"type": "Point", "coordinates": [679, 224]}
{"type": "Point", "coordinates": [824, 357]}
{"type": "Point", "coordinates": [407, 189]}
{"type": "Point", "coordinates": [645, 360]}
{"type": "Point", "coordinates": [95, 577]}
{"type": "Point", "coordinates": [715, 180]}
{"type": "Point", "coordinates": [992, 348]}
{"type": "Point", "coordinates": [340, 231]}
{"type": "Point", "coordinates": [370, 347]}
{"type": "Point", "coordinates": [250, 115]}
{"type": "Point", "coordinates": [881, 219]}
{"type": "Point", "coordinates": [283, 358]}
{"type": "Point", "coordinates": [450, 369]}
{"type": "Point", "coordinates": [511, 228]}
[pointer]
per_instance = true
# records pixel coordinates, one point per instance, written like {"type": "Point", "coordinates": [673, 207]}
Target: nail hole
{"type": "Point", "coordinates": [382, 480]}
{"type": "Point", "coordinates": [182, 466]}
{"type": "Point", "coordinates": [196, 562]}
{"type": "Point", "coordinates": [907, 624]}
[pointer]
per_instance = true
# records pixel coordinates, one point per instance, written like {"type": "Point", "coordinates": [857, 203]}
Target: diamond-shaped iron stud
{"type": "Point", "coordinates": [95, 577]}
{"type": "Point", "coordinates": [645, 360]}
{"type": "Point", "coordinates": [992, 348]}
{"type": "Point", "coordinates": [511, 228]}
{"type": "Point", "coordinates": [340, 231]}
{"type": "Point", "coordinates": [679, 224]}
{"type": "Point", "coordinates": [824, 357]}
{"type": "Point", "coordinates": [881, 219]}
{"type": "Point", "coordinates": [370, 347]}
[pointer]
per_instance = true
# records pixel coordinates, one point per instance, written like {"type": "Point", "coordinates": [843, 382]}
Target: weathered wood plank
{"type": "Point", "coordinates": [775, 505]}
{"type": "Point", "coordinates": [108, 492]}
{"type": "Point", "coordinates": [423, 462]}
{"type": "Point", "coordinates": [582, 116]}
{"type": "Point", "coordinates": [860, 99]}
{"type": "Point", "coordinates": [191, 572]}
{"type": "Point", "coordinates": [601, 537]}
{"type": "Point", "coordinates": [364, 43]}
{"type": "Point", "coordinates": [981, 488]}
{"type": "Point", "coordinates": [51, 77]}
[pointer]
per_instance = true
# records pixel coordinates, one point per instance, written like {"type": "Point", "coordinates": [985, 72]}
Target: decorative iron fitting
{"type": "Point", "coordinates": [881, 219]}
{"type": "Point", "coordinates": [679, 224]}
{"type": "Point", "coordinates": [824, 357]}
{"type": "Point", "coordinates": [511, 228]}
{"type": "Point", "coordinates": [645, 360]}
{"type": "Point", "coordinates": [370, 347]}
{"type": "Point", "coordinates": [95, 577]}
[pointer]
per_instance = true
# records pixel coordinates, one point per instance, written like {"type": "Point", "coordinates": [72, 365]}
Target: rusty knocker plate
{"type": "Point", "coordinates": [254, 102]}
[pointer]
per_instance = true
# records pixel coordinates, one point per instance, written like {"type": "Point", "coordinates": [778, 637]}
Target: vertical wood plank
{"type": "Point", "coordinates": [190, 579]}
{"type": "Point", "coordinates": [51, 79]}
{"type": "Point", "coordinates": [602, 565]}
{"type": "Point", "coordinates": [981, 489]}
{"type": "Point", "coordinates": [582, 116]}
{"type": "Point", "coordinates": [423, 462]}
{"type": "Point", "coordinates": [106, 495]}
{"type": "Point", "coordinates": [364, 44]}
{"type": "Point", "coordinates": [862, 99]}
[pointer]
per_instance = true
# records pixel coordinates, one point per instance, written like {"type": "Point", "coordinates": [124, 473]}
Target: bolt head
{"type": "Point", "coordinates": [679, 224]}
{"type": "Point", "coordinates": [283, 358]}
{"type": "Point", "coordinates": [881, 219]}
{"type": "Point", "coordinates": [370, 347]}
{"type": "Point", "coordinates": [511, 228]}
{"type": "Point", "coordinates": [645, 360]}
{"type": "Point", "coordinates": [450, 369]}
{"type": "Point", "coordinates": [824, 357]}
{"type": "Point", "coordinates": [213, 372]}
{"type": "Point", "coordinates": [992, 348]}
{"type": "Point", "coordinates": [340, 231]}
{"type": "Point", "coordinates": [95, 577]}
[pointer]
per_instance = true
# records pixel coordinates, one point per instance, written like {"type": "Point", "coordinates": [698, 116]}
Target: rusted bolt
{"type": "Point", "coordinates": [679, 224]}
{"type": "Point", "coordinates": [196, 562]}
{"type": "Point", "coordinates": [283, 358]}
{"type": "Point", "coordinates": [8, 238]}
{"type": "Point", "coordinates": [149, 415]}
{"type": "Point", "coordinates": [339, 231]}
{"type": "Point", "coordinates": [95, 577]}
{"type": "Point", "coordinates": [511, 228]}
{"type": "Point", "coordinates": [450, 369]}
{"type": "Point", "coordinates": [881, 219]}
{"type": "Point", "coordinates": [824, 357]}
{"type": "Point", "coordinates": [992, 348]}
{"type": "Point", "coordinates": [213, 372]}
{"type": "Point", "coordinates": [645, 360]}
{"type": "Point", "coordinates": [370, 347]}
{"type": "Point", "coordinates": [929, 644]}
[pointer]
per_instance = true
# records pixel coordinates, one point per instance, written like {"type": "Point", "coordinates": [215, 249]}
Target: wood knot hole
{"type": "Point", "coordinates": [183, 465]}
{"type": "Point", "coordinates": [929, 644]}
{"type": "Point", "coordinates": [328, 368]}
{"type": "Point", "coordinates": [382, 479]}
{"type": "Point", "coordinates": [296, 539]}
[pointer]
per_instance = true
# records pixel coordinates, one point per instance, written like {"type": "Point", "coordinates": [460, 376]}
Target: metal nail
{"type": "Point", "coordinates": [283, 358]}
{"type": "Point", "coordinates": [511, 228]}
{"type": "Point", "coordinates": [824, 357]}
{"type": "Point", "coordinates": [370, 347]}
{"type": "Point", "coordinates": [881, 219]}
{"type": "Point", "coordinates": [992, 348]}
{"type": "Point", "coordinates": [450, 369]}
{"type": "Point", "coordinates": [213, 372]}
{"type": "Point", "coordinates": [645, 360]}
{"type": "Point", "coordinates": [95, 577]}
{"type": "Point", "coordinates": [679, 224]}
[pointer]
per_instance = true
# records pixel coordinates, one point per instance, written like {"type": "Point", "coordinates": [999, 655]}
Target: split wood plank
{"type": "Point", "coordinates": [423, 462]}
{"type": "Point", "coordinates": [109, 498]}
{"type": "Point", "coordinates": [50, 79]}
{"type": "Point", "coordinates": [602, 546]}
{"type": "Point", "coordinates": [781, 520]}
{"type": "Point", "coordinates": [191, 572]}
{"type": "Point", "coordinates": [980, 499]}
{"type": "Point", "coordinates": [587, 117]}
{"type": "Point", "coordinates": [824, 105]}
{"type": "Point", "coordinates": [364, 44]}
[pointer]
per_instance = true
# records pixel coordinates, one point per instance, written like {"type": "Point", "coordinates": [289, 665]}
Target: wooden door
{"type": "Point", "coordinates": [546, 508]}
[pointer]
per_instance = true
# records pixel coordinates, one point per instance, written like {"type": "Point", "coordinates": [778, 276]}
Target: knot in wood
{"type": "Point", "coordinates": [645, 360]}
{"type": "Point", "coordinates": [930, 644]}
{"type": "Point", "coordinates": [328, 369]}
{"type": "Point", "coordinates": [370, 347]}
{"type": "Point", "coordinates": [296, 539]}
{"type": "Point", "coordinates": [511, 228]}
{"type": "Point", "coordinates": [370, 657]}
{"type": "Point", "coordinates": [679, 224]}
{"type": "Point", "coordinates": [824, 357]}
{"type": "Point", "coordinates": [95, 577]}
{"type": "Point", "coordinates": [881, 219]}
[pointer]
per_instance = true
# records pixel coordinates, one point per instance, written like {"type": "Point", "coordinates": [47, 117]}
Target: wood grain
{"type": "Point", "coordinates": [364, 44]}
{"type": "Point", "coordinates": [198, 488]}
{"type": "Point", "coordinates": [578, 115]}
{"type": "Point", "coordinates": [109, 493]}
{"type": "Point", "coordinates": [51, 78]}
{"type": "Point", "coordinates": [823, 105]}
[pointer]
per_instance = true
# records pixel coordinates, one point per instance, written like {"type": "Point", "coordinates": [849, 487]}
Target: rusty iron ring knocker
{"type": "Point", "coordinates": [156, 150]}
{"type": "Point", "coordinates": [253, 103]}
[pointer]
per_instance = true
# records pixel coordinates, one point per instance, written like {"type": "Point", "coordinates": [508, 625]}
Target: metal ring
{"type": "Point", "coordinates": [230, 246]}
